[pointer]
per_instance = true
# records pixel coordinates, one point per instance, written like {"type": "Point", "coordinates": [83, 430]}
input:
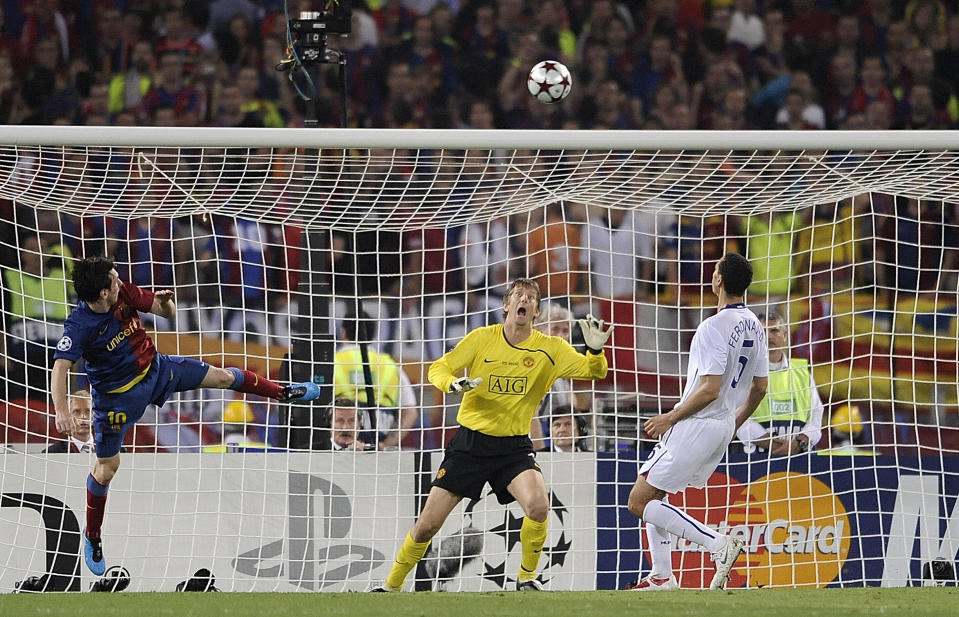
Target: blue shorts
{"type": "Point", "coordinates": [114, 414]}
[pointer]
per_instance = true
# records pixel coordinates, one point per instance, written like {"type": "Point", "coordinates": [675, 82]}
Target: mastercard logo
{"type": "Point", "coordinates": [797, 533]}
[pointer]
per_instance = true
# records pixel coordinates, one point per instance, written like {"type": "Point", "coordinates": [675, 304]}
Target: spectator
{"type": "Point", "coordinates": [848, 38]}
{"type": "Point", "coordinates": [872, 86]}
{"type": "Point", "coordinates": [840, 102]}
{"type": "Point", "coordinates": [709, 94]}
{"type": "Point", "coordinates": [111, 46]}
{"type": "Point", "coordinates": [768, 61]}
{"type": "Point", "coordinates": [238, 431]}
{"type": "Point", "coordinates": [918, 247]}
{"type": "Point", "coordinates": [810, 26]}
{"type": "Point", "coordinates": [423, 50]}
{"type": "Point", "coordinates": [35, 305]}
{"type": "Point", "coordinates": [393, 21]}
{"type": "Point", "coordinates": [566, 432]}
{"type": "Point", "coordinates": [486, 257]}
{"type": "Point", "coordinates": [512, 90]}
{"type": "Point", "coordinates": [45, 22]}
{"type": "Point", "coordinates": [948, 57]}
{"type": "Point", "coordinates": [791, 116]}
{"type": "Point", "coordinates": [661, 65]}
{"type": "Point", "coordinates": [554, 320]}
{"type": "Point", "coordinates": [143, 250]}
{"type": "Point", "coordinates": [10, 101]}
{"type": "Point", "coordinates": [40, 83]}
{"type": "Point", "coordinates": [97, 104]}
{"type": "Point", "coordinates": [769, 248]}
{"type": "Point", "coordinates": [222, 11]}
{"type": "Point", "coordinates": [732, 114]}
{"type": "Point", "coordinates": [260, 112]}
{"type": "Point", "coordinates": [177, 39]}
{"type": "Point", "coordinates": [81, 407]}
{"type": "Point", "coordinates": [237, 43]}
{"type": "Point", "coordinates": [745, 25]}
{"type": "Point", "coordinates": [393, 410]}
{"type": "Point", "coordinates": [621, 251]}
{"type": "Point", "coordinates": [827, 248]}
{"type": "Point", "coordinates": [170, 89]}
{"type": "Point", "coordinates": [789, 419]}
{"type": "Point", "coordinates": [230, 111]}
{"type": "Point", "coordinates": [553, 253]}
{"type": "Point", "coordinates": [812, 115]}
{"type": "Point", "coordinates": [345, 426]}
{"type": "Point", "coordinates": [555, 31]}
{"type": "Point", "coordinates": [484, 52]}
{"type": "Point", "coordinates": [927, 23]}
{"type": "Point", "coordinates": [919, 112]}
{"type": "Point", "coordinates": [847, 435]}
{"type": "Point", "coordinates": [127, 89]}
{"type": "Point", "coordinates": [614, 109]}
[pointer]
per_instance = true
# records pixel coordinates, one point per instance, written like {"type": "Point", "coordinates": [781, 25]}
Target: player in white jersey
{"type": "Point", "coordinates": [727, 379]}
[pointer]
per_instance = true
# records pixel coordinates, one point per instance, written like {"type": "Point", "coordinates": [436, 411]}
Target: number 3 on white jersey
{"type": "Point", "coordinates": [743, 360]}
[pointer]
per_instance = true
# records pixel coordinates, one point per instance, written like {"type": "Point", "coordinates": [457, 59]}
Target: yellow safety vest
{"type": "Point", "coordinates": [36, 298]}
{"type": "Point", "coordinates": [349, 382]}
{"type": "Point", "coordinates": [771, 253]}
{"type": "Point", "coordinates": [788, 395]}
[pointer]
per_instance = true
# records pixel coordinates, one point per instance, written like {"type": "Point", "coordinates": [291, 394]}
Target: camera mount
{"type": "Point", "coordinates": [307, 40]}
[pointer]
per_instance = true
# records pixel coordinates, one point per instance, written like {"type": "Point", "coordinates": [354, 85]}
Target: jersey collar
{"type": "Point", "coordinates": [734, 306]}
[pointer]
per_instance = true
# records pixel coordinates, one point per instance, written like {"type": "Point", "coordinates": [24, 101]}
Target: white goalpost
{"type": "Point", "coordinates": [275, 240]}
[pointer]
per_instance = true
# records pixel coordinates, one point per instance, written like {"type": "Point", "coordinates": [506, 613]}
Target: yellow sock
{"type": "Point", "coordinates": [406, 559]}
{"type": "Point", "coordinates": [532, 536]}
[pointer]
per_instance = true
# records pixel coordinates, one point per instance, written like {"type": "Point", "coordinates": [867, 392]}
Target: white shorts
{"type": "Point", "coordinates": [688, 454]}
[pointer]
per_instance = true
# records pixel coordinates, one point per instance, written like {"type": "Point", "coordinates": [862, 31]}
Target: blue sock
{"type": "Point", "coordinates": [238, 378]}
{"type": "Point", "coordinates": [95, 487]}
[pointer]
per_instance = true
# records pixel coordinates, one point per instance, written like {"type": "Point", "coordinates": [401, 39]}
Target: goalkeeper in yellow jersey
{"type": "Point", "coordinates": [510, 368]}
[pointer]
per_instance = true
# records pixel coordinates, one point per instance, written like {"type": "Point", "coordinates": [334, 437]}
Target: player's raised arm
{"type": "Point", "coordinates": [163, 304]}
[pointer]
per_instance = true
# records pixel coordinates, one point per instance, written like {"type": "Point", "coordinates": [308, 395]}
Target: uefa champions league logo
{"type": "Point", "coordinates": [494, 545]}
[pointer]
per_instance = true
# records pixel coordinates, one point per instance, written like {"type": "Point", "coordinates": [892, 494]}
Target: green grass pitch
{"type": "Point", "coordinates": [868, 602]}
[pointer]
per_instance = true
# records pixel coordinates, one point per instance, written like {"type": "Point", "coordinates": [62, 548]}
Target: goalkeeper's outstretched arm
{"type": "Point", "coordinates": [594, 334]}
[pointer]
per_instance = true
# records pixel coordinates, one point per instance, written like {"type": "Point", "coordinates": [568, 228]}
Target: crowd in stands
{"type": "Point", "coordinates": [664, 64]}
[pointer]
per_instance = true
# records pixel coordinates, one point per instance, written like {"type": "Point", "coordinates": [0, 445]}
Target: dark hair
{"type": "Point", "coordinates": [562, 411]}
{"type": "Point", "coordinates": [358, 327]}
{"type": "Point", "coordinates": [736, 272]}
{"type": "Point", "coordinates": [90, 276]}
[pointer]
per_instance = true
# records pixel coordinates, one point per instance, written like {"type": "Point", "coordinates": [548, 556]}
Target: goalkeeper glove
{"type": "Point", "coordinates": [464, 384]}
{"type": "Point", "coordinates": [593, 333]}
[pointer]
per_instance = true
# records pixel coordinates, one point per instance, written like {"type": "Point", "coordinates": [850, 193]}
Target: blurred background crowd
{"type": "Point", "coordinates": [662, 64]}
{"type": "Point", "coordinates": [658, 64]}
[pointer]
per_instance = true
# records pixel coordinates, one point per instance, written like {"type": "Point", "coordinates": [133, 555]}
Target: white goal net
{"type": "Point", "coordinates": [278, 242]}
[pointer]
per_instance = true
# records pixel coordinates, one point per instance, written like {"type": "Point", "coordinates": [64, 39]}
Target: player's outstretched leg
{"type": "Point", "coordinates": [304, 391]}
{"type": "Point", "coordinates": [247, 381]}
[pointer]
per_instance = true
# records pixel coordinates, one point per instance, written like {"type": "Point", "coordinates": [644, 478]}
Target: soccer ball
{"type": "Point", "coordinates": [549, 81]}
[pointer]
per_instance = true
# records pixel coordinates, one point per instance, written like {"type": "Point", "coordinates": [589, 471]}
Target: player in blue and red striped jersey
{"type": "Point", "coordinates": [127, 373]}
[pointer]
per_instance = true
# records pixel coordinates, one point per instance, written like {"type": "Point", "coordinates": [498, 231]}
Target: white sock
{"type": "Point", "coordinates": [678, 523]}
{"type": "Point", "coordinates": [660, 555]}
